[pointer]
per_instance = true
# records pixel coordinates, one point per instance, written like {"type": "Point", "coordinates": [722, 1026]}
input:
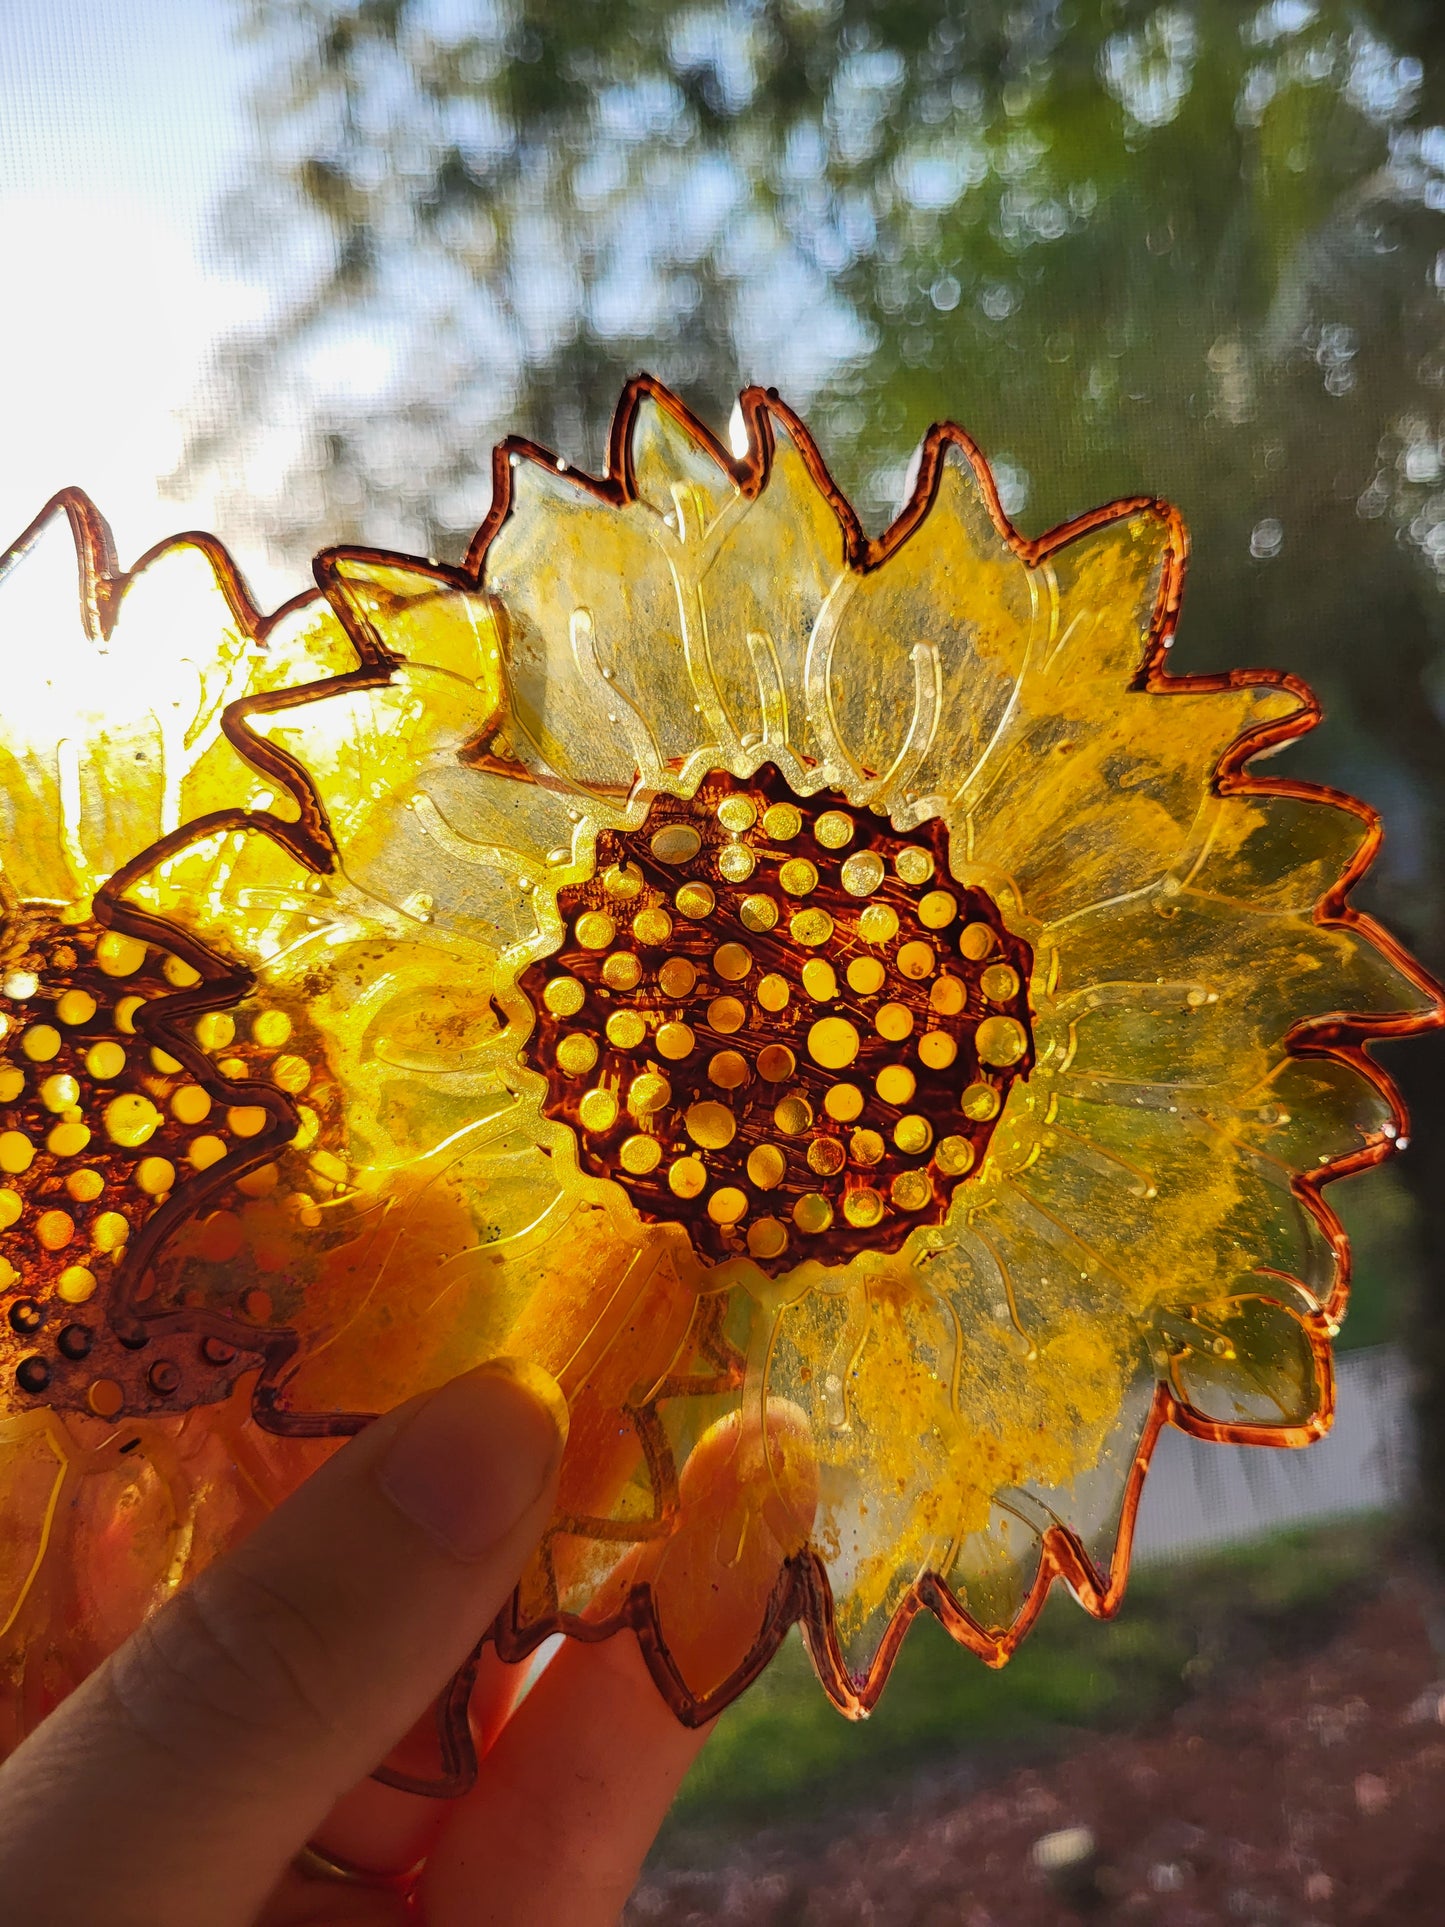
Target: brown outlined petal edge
{"type": "Point", "coordinates": [840, 1005]}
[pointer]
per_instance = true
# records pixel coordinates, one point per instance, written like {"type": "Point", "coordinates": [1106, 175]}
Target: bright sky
{"type": "Point", "coordinates": [120, 122]}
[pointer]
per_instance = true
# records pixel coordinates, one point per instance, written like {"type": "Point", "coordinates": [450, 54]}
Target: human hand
{"type": "Point", "coordinates": [176, 1787]}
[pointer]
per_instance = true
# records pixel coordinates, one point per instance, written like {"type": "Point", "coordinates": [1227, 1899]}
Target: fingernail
{"type": "Point", "coordinates": [476, 1456]}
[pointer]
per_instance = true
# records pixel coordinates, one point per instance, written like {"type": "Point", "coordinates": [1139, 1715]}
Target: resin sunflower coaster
{"type": "Point", "coordinates": [839, 1006]}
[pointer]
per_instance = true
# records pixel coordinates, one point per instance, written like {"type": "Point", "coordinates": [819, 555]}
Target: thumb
{"type": "Point", "coordinates": [177, 1782]}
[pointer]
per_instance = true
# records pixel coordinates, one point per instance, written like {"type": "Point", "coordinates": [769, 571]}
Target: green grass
{"type": "Point", "coordinates": [783, 1754]}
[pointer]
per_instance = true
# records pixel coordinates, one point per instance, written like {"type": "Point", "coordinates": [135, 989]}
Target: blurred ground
{"type": "Point", "coordinates": [1272, 1753]}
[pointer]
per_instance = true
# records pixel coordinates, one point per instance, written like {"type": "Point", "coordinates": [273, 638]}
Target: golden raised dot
{"type": "Point", "coordinates": [776, 1063]}
{"type": "Point", "coordinates": [895, 1083]}
{"type": "Point", "coordinates": [625, 1030]}
{"type": "Point", "coordinates": [621, 884]}
{"type": "Point", "coordinates": [8, 1275]}
{"type": "Point", "coordinates": [163, 1061]}
{"type": "Point", "coordinates": [914, 960]}
{"type": "Point", "coordinates": [17, 1153]}
{"type": "Point", "coordinates": [84, 1186]}
{"type": "Point", "coordinates": [648, 1093]}
{"type": "Point", "coordinates": [205, 1151]}
{"type": "Point", "coordinates": [810, 928]}
{"type": "Point", "coordinates": [75, 1007]}
{"type": "Point", "coordinates": [105, 1059]}
{"type": "Point", "coordinates": [686, 1177]}
{"type": "Point", "coordinates": [651, 928]}
{"type": "Point", "coordinates": [259, 1183]}
{"type": "Point", "coordinates": [622, 971]}
{"type": "Point", "coordinates": [675, 843]}
{"type": "Point", "coordinates": [597, 1111]}
{"type": "Point", "coordinates": [865, 975]}
{"type": "Point", "coordinates": [843, 1102]}
{"type": "Point", "coordinates": [736, 863]}
{"type": "Point", "coordinates": [863, 1208]}
{"type": "Point", "coordinates": [936, 1050]}
{"type": "Point", "coordinates": [999, 983]}
{"type": "Point", "coordinates": [576, 1054]}
{"type": "Point", "coordinates": [911, 1191]}
{"type": "Point", "coordinates": [948, 996]}
{"type": "Point", "coordinates": [40, 1043]}
{"type": "Point", "coordinates": [833, 1043]}
{"type": "Point", "coordinates": [798, 876]}
{"type": "Point", "coordinates": [190, 1104]}
{"type": "Point", "coordinates": [767, 1167]}
{"type": "Point", "coordinates": [564, 996]}
{"type": "Point", "coordinates": [59, 1092]}
{"type": "Point", "coordinates": [820, 980]}
{"type": "Point", "coordinates": [215, 1030]}
{"type": "Point", "coordinates": [975, 940]}
{"type": "Point", "coordinates": [75, 1284]}
{"type": "Point", "coordinates": [327, 1165]}
{"type": "Point", "coordinates": [105, 1397]}
{"type": "Point", "coordinates": [834, 830]}
{"type": "Point", "coordinates": [757, 913]}
{"type": "Point", "coordinates": [913, 865]}
{"type": "Point", "coordinates": [12, 1083]}
{"type": "Point", "coordinates": [728, 1070]}
{"type": "Point", "coordinates": [782, 823]}
{"type": "Point", "coordinates": [292, 1074]}
{"type": "Point", "coordinates": [913, 1134]}
{"type": "Point", "coordinates": [11, 1206]}
{"type": "Point", "coordinates": [727, 1205]}
{"type": "Point", "coordinates": [732, 962]}
{"type": "Point", "coordinates": [812, 1213]}
{"type": "Point", "coordinates": [55, 1229]}
{"type": "Point", "coordinates": [861, 873]}
{"type": "Point", "coordinates": [130, 1119]}
{"type": "Point", "coordinates": [594, 929]}
{"type": "Point", "coordinates": [773, 992]}
{"type": "Point", "coordinates": [68, 1140]}
{"type": "Point", "coordinates": [726, 1014]}
{"type": "Point", "coordinates": [936, 910]}
{"type": "Point", "coordinates": [710, 1125]}
{"type": "Point", "coordinates": [639, 1155]}
{"type": "Point", "coordinates": [1000, 1041]}
{"type": "Point", "coordinates": [736, 814]}
{"type": "Point", "coordinates": [980, 1102]}
{"type": "Point", "coordinates": [893, 1022]}
{"type": "Point", "coordinates": [767, 1238]}
{"type": "Point", "coordinates": [304, 1208]}
{"type": "Point", "coordinates": [109, 1231]}
{"type": "Point", "coordinates": [178, 972]}
{"type": "Point", "coordinates": [794, 1115]}
{"type": "Point", "coordinates": [674, 1041]}
{"type": "Point", "coordinates": [878, 923]}
{"type": "Point", "coordinates": [865, 1147]}
{"type": "Point", "coordinates": [695, 901]}
{"type": "Point", "coordinates": [826, 1156]}
{"type": "Point", "coordinates": [155, 1176]}
{"type": "Point", "coordinates": [271, 1029]}
{"type": "Point", "coordinates": [119, 955]}
{"type": "Point", "coordinates": [676, 977]}
{"type": "Point", "coordinates": [954, 1156]}
{"type": "Point", "coordinates": [124, 1014]}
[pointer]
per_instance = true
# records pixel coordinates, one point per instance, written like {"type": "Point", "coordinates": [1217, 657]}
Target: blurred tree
{"type": "Point", "coordinates": [1195, 249]}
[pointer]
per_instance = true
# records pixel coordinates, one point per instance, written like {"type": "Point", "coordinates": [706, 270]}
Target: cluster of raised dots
{"type": "Point", "coordinates": [98, 1128]}
{"type": "Point", "coordinates": [779, 1022]}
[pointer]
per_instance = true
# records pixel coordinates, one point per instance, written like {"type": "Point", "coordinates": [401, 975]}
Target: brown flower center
{"type": "Point", "coordinates": [778, 1022]}
{"type": "Point", "coordinates": [97, 1129]}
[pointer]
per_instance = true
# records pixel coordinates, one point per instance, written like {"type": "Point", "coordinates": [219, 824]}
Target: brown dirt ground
{"type": "Point", "coordinates": [1312, 1795]}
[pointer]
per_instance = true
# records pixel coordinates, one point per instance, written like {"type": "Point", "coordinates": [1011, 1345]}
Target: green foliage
{"type": "Point", "coordinates": [782, 1754]}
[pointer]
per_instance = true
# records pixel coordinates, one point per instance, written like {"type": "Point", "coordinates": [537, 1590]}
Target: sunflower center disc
{"type": "Point", "coordinates": [779, 1023]}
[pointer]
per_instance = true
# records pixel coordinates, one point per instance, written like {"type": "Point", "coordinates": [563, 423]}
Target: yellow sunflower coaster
{"type": "Point", "coordinates": [841, 1007]}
